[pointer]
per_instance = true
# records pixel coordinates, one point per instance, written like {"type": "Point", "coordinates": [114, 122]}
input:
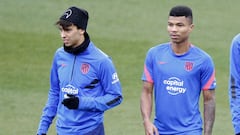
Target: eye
{"type": "Point", "coordinates": [170, 24]}
{"type": "Point", "coordinates": [68, 29]}
{"type": "Point", "coordinates": [180, 25]}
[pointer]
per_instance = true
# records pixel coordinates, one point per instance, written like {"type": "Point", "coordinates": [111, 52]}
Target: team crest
{"type": "Point", "coordinates": [188, 66]}
{"type": "Point", "coordinates": [85, 68]}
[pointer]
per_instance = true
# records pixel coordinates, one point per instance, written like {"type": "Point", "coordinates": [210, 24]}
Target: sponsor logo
{"type": "Point", "coordinates": [69, 89]}
{"type": "Point", "coordinates": [115, 78]}
{"type": "Point", "coordinates": [85, 68]}
{"type": "Point", "coordinates": [174, 86]}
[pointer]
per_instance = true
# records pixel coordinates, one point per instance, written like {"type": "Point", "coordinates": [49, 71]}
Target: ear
{"type": "Point", "coordinates": [81, 31]}
{"type": "Point", "coordinates": [191, 27]}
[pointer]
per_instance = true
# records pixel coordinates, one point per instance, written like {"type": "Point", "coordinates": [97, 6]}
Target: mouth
{"type": "Point", "coordinates": [65, 41]}
{"type": "Point", "coordinates": [174, 36]}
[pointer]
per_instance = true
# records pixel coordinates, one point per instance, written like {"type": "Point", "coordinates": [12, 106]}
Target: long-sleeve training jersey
{"type": "Point", "coordinates": [178, 81]}
{"type": "Point", "coordinates": [234, 82]}
{"type": "Point", "coordinates": [92, 77]}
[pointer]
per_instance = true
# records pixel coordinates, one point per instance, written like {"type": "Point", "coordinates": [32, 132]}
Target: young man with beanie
{"type": "Point", "coordinates": [176, 73]}
{"type": "Point", "coordinates": [83, 81]}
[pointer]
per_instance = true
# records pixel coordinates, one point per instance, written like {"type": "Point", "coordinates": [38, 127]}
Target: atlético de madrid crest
{"type": "Point", "coordinates": [188, 66]}
{"type": "Point", "coordinates": [85, 68]}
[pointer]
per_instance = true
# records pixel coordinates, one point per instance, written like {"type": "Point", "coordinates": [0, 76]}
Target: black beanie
{"type": "Point", "coordinates": [77, 16]}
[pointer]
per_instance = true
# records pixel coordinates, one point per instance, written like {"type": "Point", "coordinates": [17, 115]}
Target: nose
{"type": "Point", "coordinates": [174, 28]}
{"type": "Point", "coordinates": [63, 34]}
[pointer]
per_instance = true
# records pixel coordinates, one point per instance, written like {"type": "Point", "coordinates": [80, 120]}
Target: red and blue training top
{"type": "Point", "coordinates": [178, 81]}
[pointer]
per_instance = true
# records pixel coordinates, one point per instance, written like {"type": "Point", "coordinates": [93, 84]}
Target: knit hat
{"type": "Point", "coordinates": [77, 16]}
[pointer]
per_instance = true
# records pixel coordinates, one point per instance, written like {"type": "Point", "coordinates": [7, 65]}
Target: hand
{"type": "Point", "coordinates": [150, 128]}
{"type": "Point", "coordinates": [71, 102]}
{"type": "Point", "coordinates": [41, 134]}
{"type": "Point", "coordinates": [238, 133]}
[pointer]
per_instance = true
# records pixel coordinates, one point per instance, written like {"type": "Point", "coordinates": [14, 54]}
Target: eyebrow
{"type": "Point", "coordinates": [175, 23]}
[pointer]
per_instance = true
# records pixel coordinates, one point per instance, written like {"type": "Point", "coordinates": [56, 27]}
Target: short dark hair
{"type": "Point", "coordinates": [180, 10]}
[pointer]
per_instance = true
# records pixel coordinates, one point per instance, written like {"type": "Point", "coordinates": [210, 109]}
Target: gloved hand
{"type": "Point", "coordinates": [41, 134]}
{"type": "Point", "coordinates": [71, 102]}
{"type": "Point", "coordinates": [238, 134]}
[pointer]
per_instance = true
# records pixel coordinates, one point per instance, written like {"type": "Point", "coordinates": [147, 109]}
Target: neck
{"type": "Point", "coordinates": [80, 42]}
{"type": "Point", "coordinates": [81, 47]}
{"type": "Point", "coordinates": [180, 48]}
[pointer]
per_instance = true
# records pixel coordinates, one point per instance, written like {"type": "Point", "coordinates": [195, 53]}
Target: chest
{"type": "Point", "coordinates": [181, 67]}
{"type": "Point", "coordinates": [78, 72]}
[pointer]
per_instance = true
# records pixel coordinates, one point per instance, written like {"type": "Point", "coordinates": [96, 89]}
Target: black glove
{"type": "Point", "coordinates": [71, 102]}
{"type": "Point", "coordinates": [238, 134]}
{"type": "Point", "coordinates": [41, 134]}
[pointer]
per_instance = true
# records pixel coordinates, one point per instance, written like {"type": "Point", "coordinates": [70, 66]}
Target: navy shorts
{"type": "Point", "coordinates": [99, 130]}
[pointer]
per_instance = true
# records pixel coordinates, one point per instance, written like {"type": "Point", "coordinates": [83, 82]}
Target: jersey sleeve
{"type": "Point", "coordinates": [112, 90]}
{"type": "Point", "coordinates": [50, 108]}
{"type": "Point", "coordinates": [234, 82]}
{"type": "Point", "coordinates": [148, 70]}
{"type": "Point", "coordinates": [208, 79]}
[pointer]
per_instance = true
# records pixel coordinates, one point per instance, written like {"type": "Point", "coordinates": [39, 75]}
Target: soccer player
{"type": "Point", "coordinates": [83, 81]}
{"type": "Point", "coordinates": [176, 73]}
{"type": "Point", "coordinates": [234, 83]}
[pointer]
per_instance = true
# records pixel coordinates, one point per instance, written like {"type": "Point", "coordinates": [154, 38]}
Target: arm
{"type": "Point", "coordinates": [111, 87]}
{"type": "Point", "coordinates": [146, 108]}
{"type": "Point", "coordinates": [209, 110]}
{"type": "Point", "coordinates": [50, 108]}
